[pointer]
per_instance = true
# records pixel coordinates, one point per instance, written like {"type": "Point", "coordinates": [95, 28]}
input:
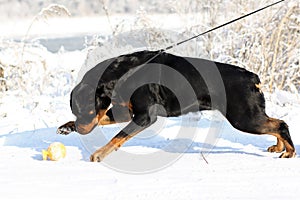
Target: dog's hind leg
{"type": "Point", "coordinates": [279, 129]}
{"type": "Point", "coordinates": [138, 124]}
{"type": "Point", "coordinates": [248, 114]}
{"type": "Point", "coordinates": [262, 124]}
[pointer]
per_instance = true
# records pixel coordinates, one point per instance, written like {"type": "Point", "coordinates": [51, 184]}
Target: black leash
{"type": "Point", "coordinates": [215, 28]}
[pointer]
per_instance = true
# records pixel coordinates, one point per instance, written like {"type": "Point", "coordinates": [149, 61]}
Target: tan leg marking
{"type": "Point", "coordinates": [278, 148]}
{"type": "Point", "coordinates": [113, 145]}
{"type": "Point", "coordinates": [271, 127]}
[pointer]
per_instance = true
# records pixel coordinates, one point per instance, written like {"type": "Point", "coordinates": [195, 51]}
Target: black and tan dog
{"type": "Point", "coordinates": [128, 87]}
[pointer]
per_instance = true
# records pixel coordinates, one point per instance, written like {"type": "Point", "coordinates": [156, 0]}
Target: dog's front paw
{"type": "Point", "coordinates": [101, 153]}
{"type": "Point", "coordinates": [66, 128]}
{"type": "Point", "coordinates": [96, 157]}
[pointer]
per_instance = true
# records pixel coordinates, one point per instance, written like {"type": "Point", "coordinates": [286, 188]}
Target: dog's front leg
{"type": "Point", "coordinates": [138, 124]}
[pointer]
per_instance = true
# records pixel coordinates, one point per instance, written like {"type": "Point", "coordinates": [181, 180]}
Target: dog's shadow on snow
{"type": "Point", "coordinates": [209, 144]}
{"type": "Point", "coordinates": [236, 140]}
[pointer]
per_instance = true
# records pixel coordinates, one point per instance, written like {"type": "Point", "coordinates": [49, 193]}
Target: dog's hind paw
{"type": "Point", "coordinates": [288, 155]}
{"type": "Point", "coordinates": [66, 128]}
{"type": "Point", "coordinates": [275, 149]}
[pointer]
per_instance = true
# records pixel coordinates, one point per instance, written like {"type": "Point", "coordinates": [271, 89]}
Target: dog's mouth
{"type": "Point", "coordinates": [84, 128]}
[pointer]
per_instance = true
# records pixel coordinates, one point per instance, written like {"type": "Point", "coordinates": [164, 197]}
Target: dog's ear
{"type": "Point", "coordinates": [82, 99]}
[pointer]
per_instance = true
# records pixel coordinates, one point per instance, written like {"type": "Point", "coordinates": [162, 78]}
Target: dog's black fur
{"type": "Point", "coordinates": [122, 82]}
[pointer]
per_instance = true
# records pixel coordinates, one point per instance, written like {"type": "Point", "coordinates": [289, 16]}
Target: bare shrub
{"type": "Point", "coordinates": [270, 48]}
{"type": "Point", "coordinates": [266, 43]}
{"type": "Point", "coordinates": [2, 79]}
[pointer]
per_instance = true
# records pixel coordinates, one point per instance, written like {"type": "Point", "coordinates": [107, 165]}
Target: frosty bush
{"type": "Point", "coordinates": [35, 71]}
{"type": "Point", "coordinates": [266, 43]}
{"type": "Point", "coordinates": [27, 66]}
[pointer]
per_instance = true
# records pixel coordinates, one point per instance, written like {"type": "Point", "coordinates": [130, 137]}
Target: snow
{"type": "Point", "coordinates": [197, 156]}
{"type": "Point", "coordinates": [238, 167]}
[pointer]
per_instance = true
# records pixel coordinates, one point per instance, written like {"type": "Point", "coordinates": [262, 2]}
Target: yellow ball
{"type": "Point", "coordinates": [55, 151]}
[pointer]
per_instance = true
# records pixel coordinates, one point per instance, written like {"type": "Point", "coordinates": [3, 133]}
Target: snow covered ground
{"type": "Point", "coordinates": [238, 167]}
{"type": "Point", "coordinates": [219, 162]}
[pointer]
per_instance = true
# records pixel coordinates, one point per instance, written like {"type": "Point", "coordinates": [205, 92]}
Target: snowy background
{"type": "Point", "coordinates": [45, 50]}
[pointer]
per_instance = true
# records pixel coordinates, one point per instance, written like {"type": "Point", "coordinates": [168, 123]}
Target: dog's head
{"type": "Point", "coordinates": [84, 106]}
